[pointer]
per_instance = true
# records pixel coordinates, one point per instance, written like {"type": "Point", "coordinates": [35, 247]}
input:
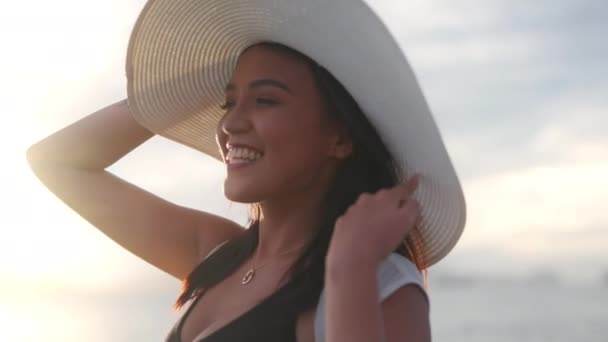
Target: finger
{"type": "Point", "coordinates": [413, 183]}
{"type": "Point", "coordinates": [412, 211]}
{"type": "Point", "coordinates": [405, 190]}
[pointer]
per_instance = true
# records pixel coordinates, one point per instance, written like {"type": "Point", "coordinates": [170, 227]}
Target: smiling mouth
{"type": "Point", "coordinates": [239, 161]}
{"type": "Point", "coordinates": [235, 164]}
{"type": "Point", "coordinates": [242, 156]}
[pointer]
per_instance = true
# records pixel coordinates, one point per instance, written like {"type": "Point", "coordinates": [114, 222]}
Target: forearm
{"type": "Point", "coordinates": [93, 142]}
{"type": "Point", "coordinates": [353, 311]}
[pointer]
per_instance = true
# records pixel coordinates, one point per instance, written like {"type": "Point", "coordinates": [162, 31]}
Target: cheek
{"type": "Point", "coordinates": [289, 126]}
{"type": "Point", "coordinates": [289, 134]}
{"type": "Point", "coordinates": [295, 151]}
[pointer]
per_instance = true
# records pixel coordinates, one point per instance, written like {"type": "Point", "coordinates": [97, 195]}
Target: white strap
{"type": "Point", "coordinates": [394, 272]}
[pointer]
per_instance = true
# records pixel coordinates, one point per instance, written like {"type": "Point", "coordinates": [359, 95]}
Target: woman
{"type": "Point", "coordinates": [323, 145]}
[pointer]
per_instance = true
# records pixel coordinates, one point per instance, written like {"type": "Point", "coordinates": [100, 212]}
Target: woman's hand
{"type": "Point", "coordinates": [373, 227]}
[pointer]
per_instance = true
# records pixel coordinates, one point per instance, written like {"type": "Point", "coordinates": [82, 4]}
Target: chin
{"type": "Point", "coordinates": [241, 194]}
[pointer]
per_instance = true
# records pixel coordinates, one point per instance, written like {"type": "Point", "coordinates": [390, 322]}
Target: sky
{"type": "Point", "coordinates": [517, 89]}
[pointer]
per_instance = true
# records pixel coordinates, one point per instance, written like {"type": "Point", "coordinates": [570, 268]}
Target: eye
{"type": "Point", "coordinates": [263, 101]}
{"type": "Point", "coordinates": [227, 105]}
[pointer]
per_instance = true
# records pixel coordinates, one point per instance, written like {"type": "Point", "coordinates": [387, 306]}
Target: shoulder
{"type": "Point", "coordinates": [394, 273]}
{"type": "Point", "coordinates": [405, 303]}
{"type": "Point", "coordinates": [397, 271]}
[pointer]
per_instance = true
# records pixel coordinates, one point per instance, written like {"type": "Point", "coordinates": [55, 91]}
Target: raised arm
{"type": "Point", "coordinates": [71, 163]}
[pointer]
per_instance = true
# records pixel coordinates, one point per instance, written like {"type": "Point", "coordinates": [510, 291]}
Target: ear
{"type": "Point", "coordinates": [340, 145]}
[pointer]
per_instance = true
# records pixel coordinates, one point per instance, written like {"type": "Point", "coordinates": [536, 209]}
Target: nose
{"type": "Point", "coordinates": [235, 121]}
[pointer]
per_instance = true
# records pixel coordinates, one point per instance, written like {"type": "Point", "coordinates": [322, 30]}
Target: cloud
{"type": "Point", "coordinates": [560, 198]}
{"type": "Point", "coordinates": [419, 18]}
{"type": "Point", "coordinates": [489, 67]}
{"type": "Point", "coordinates": [538, 216]}
{"type": "Point", "coordinates": [538, 200]}
{"type": "Point", "coordinates": [569, 130]}
{"type": "Point", "coordinates": [518, 92]}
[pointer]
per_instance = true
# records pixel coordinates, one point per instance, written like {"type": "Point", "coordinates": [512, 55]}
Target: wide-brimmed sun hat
{"type": "Point", "coordinates": [182, 53]}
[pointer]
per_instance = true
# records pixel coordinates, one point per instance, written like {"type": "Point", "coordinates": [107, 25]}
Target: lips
{"type": "Point", "coordinates": [242, 155]}
{"type": "Point", "coordinates": [232, 148]}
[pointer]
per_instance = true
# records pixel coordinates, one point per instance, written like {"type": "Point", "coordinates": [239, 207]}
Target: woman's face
{"type": "Point", "coordinates": [274, 106]}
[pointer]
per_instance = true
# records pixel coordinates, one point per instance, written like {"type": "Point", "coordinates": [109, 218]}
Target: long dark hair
{"type": "Point", "coordinates": [369, 168]}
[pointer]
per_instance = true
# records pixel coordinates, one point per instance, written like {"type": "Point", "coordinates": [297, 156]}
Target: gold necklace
{"type": "Point", "coordinates": [249, 275]}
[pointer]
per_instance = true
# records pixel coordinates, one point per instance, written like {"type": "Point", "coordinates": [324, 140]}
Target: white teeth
{"type": "Point", "coordinates": [240, 154]}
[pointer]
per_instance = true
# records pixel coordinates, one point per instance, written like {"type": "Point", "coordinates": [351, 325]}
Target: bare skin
{"type": "Point", "coordinates": [71, 163]}
{"type": "Point", "coordinates": [301, 152]}
{"type": "Point", "coordinates": [299, 143]}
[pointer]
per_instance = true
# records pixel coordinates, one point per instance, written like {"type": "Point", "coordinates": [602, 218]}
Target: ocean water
{"type": "Point", "coordinates": [522, 313]}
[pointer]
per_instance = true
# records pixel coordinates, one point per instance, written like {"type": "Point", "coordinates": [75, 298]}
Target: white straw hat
{"type": "Point", "coordinates": [182, 53]}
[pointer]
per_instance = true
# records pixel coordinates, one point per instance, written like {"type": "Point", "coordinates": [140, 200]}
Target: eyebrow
{"type": "Point", "coordinates": [265, 82]}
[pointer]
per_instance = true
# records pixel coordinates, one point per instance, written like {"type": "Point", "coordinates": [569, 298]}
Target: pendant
{"type": "Point", "coordinates": [248, 276]}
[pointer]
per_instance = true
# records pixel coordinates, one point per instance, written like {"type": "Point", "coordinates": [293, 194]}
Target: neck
{"type": "Point", "coordinates": [287, 225]}
{"type": "Point", "coordinates": [291, 219]}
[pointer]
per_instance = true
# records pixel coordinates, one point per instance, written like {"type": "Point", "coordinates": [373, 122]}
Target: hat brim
{"type": "Point", "coordinates": [182, 52]}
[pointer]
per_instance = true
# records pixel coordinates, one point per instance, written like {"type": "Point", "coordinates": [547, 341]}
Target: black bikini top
{"type": "Point", "coordinates": [267, 321]}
